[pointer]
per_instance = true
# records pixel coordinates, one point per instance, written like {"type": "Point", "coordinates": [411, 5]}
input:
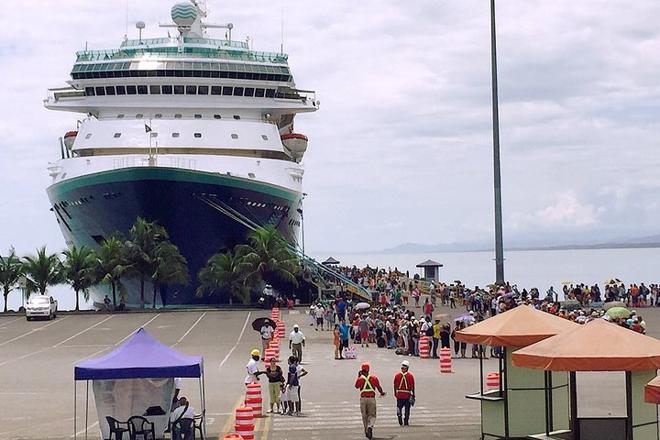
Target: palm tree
{"type": "Point", "coordinates": [141, 250]}
{"type": "Point", "coordinates": [224, 273]}
{"type": "Point", "coordinates": [267, 258]}
{"type": "Point", "coordinates": [41, 270]}
{"type": "Point", "coordinates": [78, 268]}
{"type": "Point", "coordinates": [111, 264]}
{"type": "Point", "coordinates": [170, 268]}
{"type": "Point", "coordinates": [11, 271]}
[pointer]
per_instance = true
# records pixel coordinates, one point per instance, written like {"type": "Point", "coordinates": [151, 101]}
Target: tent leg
{"type": "Point", "coordinates": [203, 405]}
{"type": "Point", "coordinates": [86, 408]}
{"type": "Point", "coordinates": [75, 394]}
{"type": "Point", "coordinates": [629, 406]}
{"type": "Point", "coordinates": [481, 370]}
{"type": "Point", "coordinates": [548, 408]}
{"type": "Point", "coordinates": [505, 393]}
{"type": "Point", "coordinates": [575, 423]}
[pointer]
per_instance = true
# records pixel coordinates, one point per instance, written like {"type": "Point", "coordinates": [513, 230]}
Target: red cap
{"type": "Point", "coordinates": [365, 366]}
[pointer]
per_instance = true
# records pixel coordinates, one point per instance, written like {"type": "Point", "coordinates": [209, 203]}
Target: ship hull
{"type": "Point", "coordinates": [90, 208]}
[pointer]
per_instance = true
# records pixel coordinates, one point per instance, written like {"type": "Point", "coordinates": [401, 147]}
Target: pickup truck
{"type": "Point", "coordinates": [41, 306]}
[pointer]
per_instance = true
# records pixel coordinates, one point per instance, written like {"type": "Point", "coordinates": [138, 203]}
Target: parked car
{"type": "Point", "coordinates": [41, 306]}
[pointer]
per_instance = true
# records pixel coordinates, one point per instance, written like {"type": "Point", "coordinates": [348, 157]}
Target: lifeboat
{"type": "Point", "coordinates": [69, 138]}
{"type": "Point", "coordinates": [296, 143]}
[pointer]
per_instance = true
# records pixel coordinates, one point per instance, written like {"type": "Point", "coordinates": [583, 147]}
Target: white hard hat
{"type": "Point", "coordinates": [295, 326]}
{"type": "Point", "coordinates": [405, 364]}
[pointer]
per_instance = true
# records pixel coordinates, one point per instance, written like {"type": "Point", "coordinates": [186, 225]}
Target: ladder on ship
{"type": "Point", "coordinates": [350, 285]}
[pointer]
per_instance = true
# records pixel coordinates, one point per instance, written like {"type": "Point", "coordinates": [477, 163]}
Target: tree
{"type": "Point", "coordinates": [267, 258]}
{"type": "Point", "coordinates": [111, 264]}
{"type": "Point", "coordinates": [11, 271]}
{"type": "Point", "coordinates": [78, 270]}
{"type": "Point", "coordinates": [224, 273]}
{"type": "Point", "coordinates": [170, 268]}
{"type": "Point", "coordinates": [41, 270]}
{"type": "Point", "coordinates": [141, 250]}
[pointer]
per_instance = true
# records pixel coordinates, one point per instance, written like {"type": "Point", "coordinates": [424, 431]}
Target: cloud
{"type": "Point", "coordinates": [401, 150]}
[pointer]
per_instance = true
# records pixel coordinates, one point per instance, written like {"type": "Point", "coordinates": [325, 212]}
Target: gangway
{"type": "Point", "coordinates": [351, 286]}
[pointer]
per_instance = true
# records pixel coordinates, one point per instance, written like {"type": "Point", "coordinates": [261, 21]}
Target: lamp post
{"type": "Point", "coordinates": [497, 184]}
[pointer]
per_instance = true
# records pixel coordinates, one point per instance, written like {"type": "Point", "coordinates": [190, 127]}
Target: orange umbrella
{"type": "Point", "coordinates": [652, 391]}
{"type": "Point", "coordinates": [518, 327]}
{"type": "Point", "coordinates": [595, 346]}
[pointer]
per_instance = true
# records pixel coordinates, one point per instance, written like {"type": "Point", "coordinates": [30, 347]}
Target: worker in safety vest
{"type": "Point", "coordinates": [368, 384]}
{"type": "Point", "coordinates": [404, 391]}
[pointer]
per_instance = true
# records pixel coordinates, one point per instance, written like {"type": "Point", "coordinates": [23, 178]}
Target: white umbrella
{"type": "Point", "coordinates": [362, 305]}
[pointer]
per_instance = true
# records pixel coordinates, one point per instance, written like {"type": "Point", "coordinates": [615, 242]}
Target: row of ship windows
{"type": "Point", "coordinates": [184, 66]}
{"type": "Point", "coordinates": [176, 116]}
{"type": "Point", "coordinates": [180, 90]}
{"type": "Point", "coordinates": [175, 134]}
{"type": "Point", "coordinates": [253, 204]}
{"type": "Point", "coordinates": [183, 74]}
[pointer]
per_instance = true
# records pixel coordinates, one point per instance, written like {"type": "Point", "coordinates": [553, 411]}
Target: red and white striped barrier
{"type": "Point", "coordinates": [232, 436]}
{"type": "Point", "coordinates": [424, 347]}
{"type": "Point", "coordinates": [253, 398]}
{"type": "Point", "coordinates": [445, 360]}
{"type": "Point", "coordinates": [246, 432]}
{"type": "Point", "coordinates": [493, 381]}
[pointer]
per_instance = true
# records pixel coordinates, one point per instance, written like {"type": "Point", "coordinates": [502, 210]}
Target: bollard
{"type": "Point", "coordinates": [424, 347]}
{"type": "Point", "coordinates": [493, 381]}
{"type": "Point", "coordinates": [253, 398]}
{"type": "Point", "coordinates": [233, 436]}
{"type": "Point", "coordinates": [256, 404]}
{"type": "Point", "coordinates": [445, 360]}
{"type": "Point", "coordinates": [269, 354]}
{"type": "Point", "coordinates": [280, 330]}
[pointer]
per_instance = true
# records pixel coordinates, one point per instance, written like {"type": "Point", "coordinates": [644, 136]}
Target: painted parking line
{"type": "Point", "coordinates": [83, 331]}
{"type": "Point", "coordinates": [22, 318]}
{"type": "Point", "coordinates": [34, 330]}
{"type": "Point", "coordinates": [247, 318]}
{"type": "Point", "coordinates": [96, 353]}
{"type": "Point", "coordinates": [190, 329]}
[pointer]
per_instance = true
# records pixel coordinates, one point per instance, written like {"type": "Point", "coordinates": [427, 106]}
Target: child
{"type": "Point", "coordinates": [284, 399]}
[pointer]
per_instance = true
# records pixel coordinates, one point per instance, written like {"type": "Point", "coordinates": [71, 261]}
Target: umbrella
{"type": "Point", "coordinates": [464, 318]}
{"type": "Point", "coordinates": [613, 281]}
{"type": "Point", "coordinates": [566, 283]}
{"type": "Point", "coordinates": [362, 305]}
{"type": "Point", "coordinates": [260, 322]}
{"type": "Point", "coordinates": [609, 305]}
{"type": "Point", "coordinates": [618, 312]}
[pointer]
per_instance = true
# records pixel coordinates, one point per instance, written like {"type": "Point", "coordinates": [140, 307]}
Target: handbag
{"type": "Point", "coordinates": [411, 399]}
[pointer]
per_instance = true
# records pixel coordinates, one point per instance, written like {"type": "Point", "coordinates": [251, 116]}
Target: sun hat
{"type": "Point", "coordinates": [405, 364]}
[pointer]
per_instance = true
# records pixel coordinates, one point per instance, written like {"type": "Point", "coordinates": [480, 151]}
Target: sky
{"type": "Point", "coordinates": [401, 148]}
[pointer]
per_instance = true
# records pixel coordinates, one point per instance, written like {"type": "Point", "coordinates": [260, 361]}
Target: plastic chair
{"type": "Point", "coordinates": [116, 428]}
{"type": "Point", "coordinates": [183, 429]}
{"type": "Point", "coordinates": [140, 428]}
{"type": "Point", "coordinates": [199, 424]}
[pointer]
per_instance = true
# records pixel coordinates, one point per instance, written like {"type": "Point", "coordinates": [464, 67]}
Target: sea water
{"type": "Point", "coordinates": [527, 269]}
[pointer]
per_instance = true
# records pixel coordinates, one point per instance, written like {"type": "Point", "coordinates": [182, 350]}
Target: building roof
{"type": "Point", "coordinates": [331, 260]}
{"type": "Point", "coordinates": [518, 327]}
{"type": "Point", "coordinates": [596, 346]}
{"type": "Point", "coordinates": [429, 263]}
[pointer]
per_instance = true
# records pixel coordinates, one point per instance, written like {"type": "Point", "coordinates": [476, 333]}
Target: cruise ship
{"type": "Point", "coordinates": [193, 132]}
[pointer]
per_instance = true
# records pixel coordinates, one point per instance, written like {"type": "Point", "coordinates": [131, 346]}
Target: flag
{"type": "Point", "coordinates": [147, 129]}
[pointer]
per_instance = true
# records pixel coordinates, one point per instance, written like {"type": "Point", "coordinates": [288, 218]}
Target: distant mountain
{"type": "Point", "coordinates": [652, 241]}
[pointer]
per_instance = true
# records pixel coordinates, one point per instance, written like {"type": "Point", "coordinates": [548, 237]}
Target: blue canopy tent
{"type": "Point", "coordinates": [141, 357]}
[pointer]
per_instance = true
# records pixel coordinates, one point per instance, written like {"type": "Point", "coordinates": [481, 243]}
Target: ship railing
{"type": "Point", "coordinates": [172, 52]}
{"type": "Point", "coordinates": [190, 40]}
{"type": "Point", "coordinates": [306, 96]}
{"type": "Point", "coordinates": [154, 160]}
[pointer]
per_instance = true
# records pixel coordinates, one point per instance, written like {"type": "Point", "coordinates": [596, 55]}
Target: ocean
{"type": "Point", "coordinates": [527, 269]}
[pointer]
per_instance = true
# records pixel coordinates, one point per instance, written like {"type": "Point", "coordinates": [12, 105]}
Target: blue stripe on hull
{"type": "Point", "coordinates": [93, 211]}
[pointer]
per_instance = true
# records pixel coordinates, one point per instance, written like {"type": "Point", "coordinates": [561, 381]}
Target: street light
{"type": "Point", "coordinates": [497, 183]}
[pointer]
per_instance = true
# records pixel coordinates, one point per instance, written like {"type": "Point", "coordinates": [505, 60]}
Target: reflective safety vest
{"type": "Point", "coordinates": [367, 385]}
{"type": "Point", "coordinates": [403, 384]}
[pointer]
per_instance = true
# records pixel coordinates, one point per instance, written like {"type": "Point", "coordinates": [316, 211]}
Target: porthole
{"type": "Point", "coordinates": [217, 117]}
{"type": "Point", "coordinates": [88, 135]}
{"type": "Point", "coordinates": [139, 116]}
{"type": "Point", "coordinates": [234, 136]}
{"type": "Point", "coordinates": [264, 137]}
{"type": "Point", "coordinates": [251, 175]}
{"type": "Point", "coordinates": [116, 135]}
{"type": "Point", "coordinates": [120, 116]}
{"type": "Point", "coordinates": [153, 134]}
{"type": "Point", "coordinates": [198, 116]}
{"type": "Point", "coordinates": [198, 135]}
{"type": "Point", "coordinates": [175, 135]}
{"type": "Point", "coordinates": [237, 117]}
{"type": "Point", "coordinates": [158, 115]}
{"type": "Point", "coordinates": [177, 116]}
